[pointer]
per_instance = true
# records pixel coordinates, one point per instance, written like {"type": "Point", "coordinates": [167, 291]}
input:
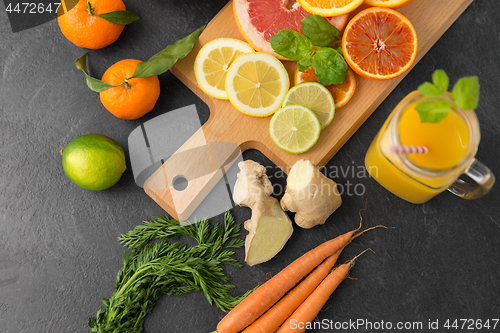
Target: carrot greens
{"type": "Point", "coordinates": [151, 269]}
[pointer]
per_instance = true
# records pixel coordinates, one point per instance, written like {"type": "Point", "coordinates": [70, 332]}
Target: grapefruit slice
{"type": "Point", "coordinates": [379, 43]}
{"type": "Point", "coordinates": [341, 93]}
{"type": "Point", "coordinates": [259, 20]}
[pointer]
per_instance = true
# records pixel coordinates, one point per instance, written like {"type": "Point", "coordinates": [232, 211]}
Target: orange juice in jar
{"type": "Point", "coordinates": [452, 144]}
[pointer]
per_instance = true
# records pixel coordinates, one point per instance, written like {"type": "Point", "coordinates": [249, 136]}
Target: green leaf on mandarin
{"type": "Point", "coordinates": [93, 83]}
{"type": "Point", "coordinates": [165, 59]}
{"type": "Point", "coordinates": [119, 17]}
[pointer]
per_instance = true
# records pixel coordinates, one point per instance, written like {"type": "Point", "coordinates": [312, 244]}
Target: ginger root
{"type": "Point", "coordinates": [269, 228]}
{"type": "Point", "coordinates": [310, 194]}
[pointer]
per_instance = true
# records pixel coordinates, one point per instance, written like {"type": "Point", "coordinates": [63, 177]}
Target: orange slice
{"type": "Point", "coordinates": [259, 20]}
{"type": "Point", "coordinates": [387, 3]}
{"type": "Point", "coordinates": [379, 43]}
{"type": "Point", "coordinates": [341, 93]}
{"type": "Point", "coordinates": [330, 7]}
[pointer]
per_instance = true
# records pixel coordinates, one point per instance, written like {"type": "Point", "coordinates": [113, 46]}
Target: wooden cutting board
{"type": "Point", "coordinates": [431, 19]}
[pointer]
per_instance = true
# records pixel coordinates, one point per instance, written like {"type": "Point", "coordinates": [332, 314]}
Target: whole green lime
{"type": "Point", "coordinates": [93, 161]}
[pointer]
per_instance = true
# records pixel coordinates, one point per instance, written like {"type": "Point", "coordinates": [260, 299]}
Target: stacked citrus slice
{"type": "Point", "coordinates": [213, 61]}
{"type": "Point", "coordinates": [315, 97]}
{"type": "Point", "coordinates": [295, 129]}
{"type": "Point", "coordinates": [341, 93]}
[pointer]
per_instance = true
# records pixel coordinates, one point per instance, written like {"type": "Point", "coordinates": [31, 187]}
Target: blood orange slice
{"type": "Point", "coordinates": [341, 93]}
{"type": "Point", "coordinates": [379, 43]}
{"type": "Point", "coordinates": [259, 20]}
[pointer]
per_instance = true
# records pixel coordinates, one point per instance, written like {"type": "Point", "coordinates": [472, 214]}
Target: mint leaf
{"type": "Point", "coordinates": [319, 31]}
{"type": "Point", "coordinates": [291, 44]}
{"type": "Point", "coordinates": [163, 60]}
{"type": "Point", "coordinates": [430, 90]}
{"type": "Point", "coordinates": [440, 80]}
{"type": "Point", "coordinates": [466, 93]}
{"type": "Point", "coordinates": [94, 84]}
{"type": "Point", "coordinates": [304, 63]}
{"type": "Point", "coordinates": [329, 66]}
{"type": "Point", "coordinates": [433, 111]}
{"type": "Point", "coordinates": [119, 17]}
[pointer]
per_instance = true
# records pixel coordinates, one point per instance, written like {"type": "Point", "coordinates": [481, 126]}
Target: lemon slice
{"type": "Point", "coordinates": [212, 62]}
{"type": "Point", "coordinates": [256, 84]}
{"type": "Point", "coordinates": [314, 96]}
{"type": "Point", "coordinates": [295, 129]}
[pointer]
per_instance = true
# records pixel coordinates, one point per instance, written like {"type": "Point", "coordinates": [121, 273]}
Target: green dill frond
{"type": "Point", "coordinates": [151, 269]}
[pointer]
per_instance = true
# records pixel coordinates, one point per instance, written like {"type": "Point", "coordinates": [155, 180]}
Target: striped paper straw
{"type": "Point", "coordinates": [409, 149]}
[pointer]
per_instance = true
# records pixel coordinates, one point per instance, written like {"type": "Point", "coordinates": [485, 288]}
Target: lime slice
{"type": "Point", "coordinates": [256, 84]}
{"type": "Point", "coordinates": [295, 129]}
{"type": "Point", "coordinates": [314, 96]}
{"type": "Point", "coordinates": [212, 62]}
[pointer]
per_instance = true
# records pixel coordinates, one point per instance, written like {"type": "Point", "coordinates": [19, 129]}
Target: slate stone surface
{"type": "Point", "coordinates": [58, 243]}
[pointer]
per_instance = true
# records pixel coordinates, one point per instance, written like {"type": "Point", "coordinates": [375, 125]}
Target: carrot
{"type": "Point", "coordinates": [310, 308]}
{"type": "Point", "coordinates": [272, 319]}
{"type": "Point", "coordinates": [259, 301]}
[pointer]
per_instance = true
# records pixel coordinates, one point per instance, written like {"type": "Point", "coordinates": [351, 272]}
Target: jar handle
{"type": "Point", "coordinates": [482, 177]}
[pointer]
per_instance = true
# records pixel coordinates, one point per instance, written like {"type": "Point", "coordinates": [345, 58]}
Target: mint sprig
{"type": "Point", "coordinates": [313, 48]}
{"type": "Point", "coordinates": [319, 31]}
{"type": "Point", "coordinates": [464, 95]}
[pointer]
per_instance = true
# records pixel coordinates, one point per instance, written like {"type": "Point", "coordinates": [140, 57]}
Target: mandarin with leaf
{"type": "Point", "coordinates": [131, 98]}
{"type": "Point", "coordinates": [93, 24]}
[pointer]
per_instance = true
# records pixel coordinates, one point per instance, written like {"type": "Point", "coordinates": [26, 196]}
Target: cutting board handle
{"type": "Point", "coordinates": [184, 180]}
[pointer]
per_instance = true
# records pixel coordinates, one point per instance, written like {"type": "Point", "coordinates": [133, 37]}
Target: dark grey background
{"type": "Point", "coordinates": [58, 249]}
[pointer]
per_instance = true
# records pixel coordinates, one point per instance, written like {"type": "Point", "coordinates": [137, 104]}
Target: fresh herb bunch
{"type": "Point", "coordinates": [156, 65]}
{"type": "Point", "coordinates": [464, 95]}
{"type": "Point", "coordinates": [153, 269]}
{"type": "Point", "coordinates": [316, 48]}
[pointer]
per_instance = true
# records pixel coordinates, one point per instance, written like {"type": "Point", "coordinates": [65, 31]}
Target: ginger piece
{"type": "Point", "coordinates": [310, 194]}
{"type": "Point", "coordinates": [269, 228]}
